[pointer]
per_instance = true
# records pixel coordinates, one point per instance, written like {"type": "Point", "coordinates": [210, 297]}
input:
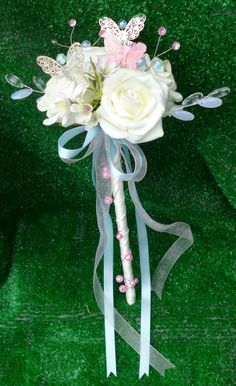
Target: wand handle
{"type": "Point", "coordinates": [123, 234]}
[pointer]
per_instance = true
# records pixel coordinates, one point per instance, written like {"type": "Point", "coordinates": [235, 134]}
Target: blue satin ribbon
{"type": "Point", "coordinates": [145, 296]}
{"type": "Point", "coordinates": [105, 149]}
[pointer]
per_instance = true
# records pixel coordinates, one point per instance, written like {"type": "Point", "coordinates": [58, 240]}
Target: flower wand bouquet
{"type": "Point", "coordinates": [117, 96]}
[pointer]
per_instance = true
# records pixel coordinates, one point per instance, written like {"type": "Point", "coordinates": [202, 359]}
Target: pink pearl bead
{"type": "Point", "coordinates": [119, 278]}
{"type": "Point", "coordinates": [106, 176]}
{"type": "Point", "coordinates": [176, 46]}
{"type": "Point", "coordinates": [106, 172]}
{"type": "Point", "coordinates": [162, 31]}
{"type": "Point", "coordinates": [119, 236]}
{"type": "Point", "coordinates": [72, 22]}
{"type": "Point", "coordinates": [132, 282]}
{"type": "Point", "coordinates": [102, 33]}
{"type": "Point", "coordinates": [136, 280]}
{"type": "Point", "coordinates": [122, 288]}
{"type": "Point", "coordinates": [128, 256]}
{"type": "Point", "coordinates": [108, 200]}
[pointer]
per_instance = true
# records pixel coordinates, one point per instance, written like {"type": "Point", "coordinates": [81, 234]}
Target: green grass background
{"type": "Point", "coordinates": [51, 330]}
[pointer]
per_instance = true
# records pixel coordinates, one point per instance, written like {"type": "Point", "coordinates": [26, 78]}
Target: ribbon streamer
{"type": "Point", "coordinates": [104, 150]}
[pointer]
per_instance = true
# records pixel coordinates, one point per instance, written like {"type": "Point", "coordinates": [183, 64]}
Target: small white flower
{"type": "Point", "coordinates": [60, 93]}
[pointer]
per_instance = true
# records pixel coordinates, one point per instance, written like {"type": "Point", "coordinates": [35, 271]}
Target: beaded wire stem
{"type": "Point", "coordinates": [123, 237]}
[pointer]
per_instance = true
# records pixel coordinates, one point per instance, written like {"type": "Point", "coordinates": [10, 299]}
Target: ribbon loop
{"type": "Point", "coordinates": [140, 163]}
{"type": "Point", "coordinates": [67, 155]}
{"type": "Point", "coordinates": [105, 150]}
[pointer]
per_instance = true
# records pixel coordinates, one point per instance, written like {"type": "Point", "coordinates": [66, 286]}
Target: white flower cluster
{"type": "Point", "coordinates": [117, 86]}
{"type": "Point", "coordinates": [126, 100]}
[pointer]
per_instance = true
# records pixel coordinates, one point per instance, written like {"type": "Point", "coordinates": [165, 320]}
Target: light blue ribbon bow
{"type": "Point", "coordinates": [104, 151]}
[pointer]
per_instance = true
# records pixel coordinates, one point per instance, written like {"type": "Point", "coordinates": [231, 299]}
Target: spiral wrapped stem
{"type": "Point", "coordinates": [123, 234]}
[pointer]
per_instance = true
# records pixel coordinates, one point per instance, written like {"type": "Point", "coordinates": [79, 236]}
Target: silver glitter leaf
{"type": "Point", "coordinates": [39, 83]}
{"type": "Point", "coordinates": [14, 81]}
{"type": "Point", "coordinates": [193, 98]}
{"type": "Point", "coordinates": [219, 92]}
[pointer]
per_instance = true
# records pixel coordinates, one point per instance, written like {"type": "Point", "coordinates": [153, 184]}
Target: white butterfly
{"type": "Point", "coordinates": [131, 32]}
{"type": "Point", "coordinates": [73, 67]}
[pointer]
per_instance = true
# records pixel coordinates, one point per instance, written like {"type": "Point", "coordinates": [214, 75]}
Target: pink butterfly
{"type": "Point", "coordinates": [125, 56]}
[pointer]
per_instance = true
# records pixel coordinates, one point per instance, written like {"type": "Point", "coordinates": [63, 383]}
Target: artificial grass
{"type": "Point", "coordinates": [51, 329]}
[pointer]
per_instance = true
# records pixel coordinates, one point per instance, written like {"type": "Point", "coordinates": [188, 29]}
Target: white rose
{"type": "Point", "coordinates": [162, 71]}
{"type": "Point", "coordinates": [132, 106]}
{"type": "Point", "coordinates": [59, 93]}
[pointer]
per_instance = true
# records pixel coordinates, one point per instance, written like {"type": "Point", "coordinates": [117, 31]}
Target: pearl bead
{"type": "Point", "coordinates": [119, 236]}
{"type": "Point", "coordinates": [54, 41]}
{"type": "Point", "coordinates": [61, 59]}
{"type": "Point", "coordinates": [122, 288]}
{"type": "Point", "coordinates": [132, 283]}
{"type": "Point", "coordinates": [106, 176]}
{"type": "Point", "coordinates": [142, 64]}
{"type": "Point", "coordinates": [72, 23]}
{"type": "Point", "coordinates": [162, 31]}
{"type": "Point", "coordinates": [86, 44]}
{"type": "Point", "coordinates": [128, 256]}
{"type": "Point", "coordinates": [122, 24]}
{"type": "Point", "coordinates": [102, 33]}
{"type": "Point", "coordinates": [119, 278]}
{"type": "Point", "coordinates": [157, 64]}
{"type": "Point", "coordinates": [106, 173]}
{"type": "Point", "coordinates": [108, 200]}
{"type": "Point", "coordinates": [106, 169]}
{"type": "Point", "coordinates": [176, 46]}
{"type": "Point", "coordinates": [136, 280]}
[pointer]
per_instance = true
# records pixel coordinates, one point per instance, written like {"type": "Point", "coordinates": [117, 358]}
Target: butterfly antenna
{"type": "Point", "coordinates": [72, 24]}
{"type": "Point", "coordinates": [96, 41]}
{"type": "Point", "coordinates": [54, 41]}
{"type": "Point", "coordinates": [161, 32]}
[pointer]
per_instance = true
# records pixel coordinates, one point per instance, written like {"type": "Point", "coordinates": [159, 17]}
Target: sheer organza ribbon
{"type": "Point", "coordinates": [105, 150]}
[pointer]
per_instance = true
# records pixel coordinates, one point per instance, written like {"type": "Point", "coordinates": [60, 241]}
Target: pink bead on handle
{"type": "Point", "coordinates": [122, 288]}
{"type": "Point", "coordinates": [106, 173]}
{"type": "Point", "coordinates": [128, 256]}
{"type": "Point", "coordinates": [108, 200]}
{"type": "Point", "coordinates": [119, 236]}
{"type": "Point", "coordinates": [119, 278]}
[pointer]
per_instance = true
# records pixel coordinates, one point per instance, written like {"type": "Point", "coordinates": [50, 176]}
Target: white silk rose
{"type": "Point", "coordinates": [162, 71]}
{"type": "Point", "coordinates": [132, 106]}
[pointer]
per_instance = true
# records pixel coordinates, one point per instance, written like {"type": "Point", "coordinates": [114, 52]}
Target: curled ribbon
{"type": "Point", "coordinates": [104, 151]}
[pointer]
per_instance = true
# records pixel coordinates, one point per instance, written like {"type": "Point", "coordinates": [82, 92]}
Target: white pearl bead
{"type": "Point", "coordinates": [157, 64]}
{"type": "Point", "coordinates": [85, 44]}
{"type": "Point", "coordinates": [61, 59]}
{"type": "Point", "coordinates": [142, 64]}
{"type": "Point", "coordinates": [122, 24]}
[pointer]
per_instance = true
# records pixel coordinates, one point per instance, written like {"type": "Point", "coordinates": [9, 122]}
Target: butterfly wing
{"type": "Point", "coordinates": [114, 48]}
{"type": "Point", "coordinates": [49, 65]}
{"type": "Point", "coordinates": [109, 26]}
{"type": "Point", "coordinates": [74, 65]}
{"type": "Point", "coordinates": [134, 54]}
{"type": "Point", "coordinates": [135, 26]}
{"type": "Point", "coordinates": [75, 55]}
